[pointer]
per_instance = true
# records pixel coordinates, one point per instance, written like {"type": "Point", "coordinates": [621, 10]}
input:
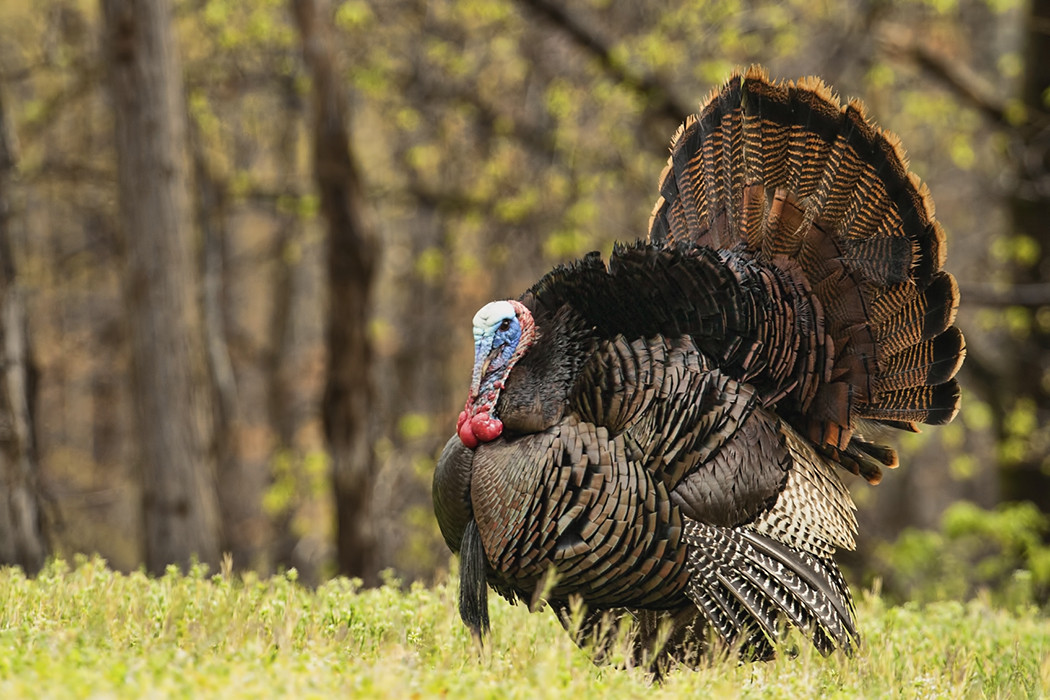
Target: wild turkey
{"type": "Point", "coordinates": [666, 433]}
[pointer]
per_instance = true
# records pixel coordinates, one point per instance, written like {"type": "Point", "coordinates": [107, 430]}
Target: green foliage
{"type": "Point", "coordinates": [90, 632]}
{"type": "Point", "coordinates": [354, 14]}
{"type": "Point", "coordinates": [299, 489]}
{"type": "Point", "coordinates": [1001, 553]}
{"type": "Point", "coordinates": [1023, 436]}
{"type": "Point", "coordinates": [413, 426]}
{"type": "Point", "coordinates": [1020, 249]}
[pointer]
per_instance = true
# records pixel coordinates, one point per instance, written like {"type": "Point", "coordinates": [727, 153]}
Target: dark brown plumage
{"type": "Point", "coordinates": [666, 432]}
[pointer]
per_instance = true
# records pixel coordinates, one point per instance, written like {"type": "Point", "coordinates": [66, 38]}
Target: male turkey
{"type": "Point", "coordinates": [666, 433]}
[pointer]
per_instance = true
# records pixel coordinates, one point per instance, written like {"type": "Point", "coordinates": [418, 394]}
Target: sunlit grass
{"type": "Point", "coordinates": [86, 631]}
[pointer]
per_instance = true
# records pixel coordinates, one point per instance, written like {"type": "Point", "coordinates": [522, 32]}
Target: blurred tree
{"type": "Point", "coordinates": [242, 474]}
{"type": "Point", "coordinates": [353, 248]}
{"type": "Point", "coordinates": [1026, 470]}
{"type": "Point", "coordinates": [180, 508]}
{"type": "Point", "coordinates": [22, 541]}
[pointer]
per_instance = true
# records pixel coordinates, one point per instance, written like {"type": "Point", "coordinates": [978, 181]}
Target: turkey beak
{"type": "Point", "coordinates": [481, 369]}
{"type": "Point", "coordinates": [481, 366]}
{"type": "Point", "coordinates": [493, 354]}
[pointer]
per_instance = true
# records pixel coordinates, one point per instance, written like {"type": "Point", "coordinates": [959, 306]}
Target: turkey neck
{"type": "Point", "coordinates": [537, 390]}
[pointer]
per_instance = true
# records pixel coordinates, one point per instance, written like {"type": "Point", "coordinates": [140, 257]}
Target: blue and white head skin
{"type": "Point", "coordinates": [503, 331]}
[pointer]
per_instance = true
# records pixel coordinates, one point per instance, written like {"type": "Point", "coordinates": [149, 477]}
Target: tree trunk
{"type": "Point", "coordinates": [180, 509]}
{"type": "Point", "coordinates": [290, 400]}
{"type": "Point", "coordinates": [22, 541]}
{"type": "Point", "coordinates": [1025, 474]}
{"type": "Point", "coordinates": [352, 252]}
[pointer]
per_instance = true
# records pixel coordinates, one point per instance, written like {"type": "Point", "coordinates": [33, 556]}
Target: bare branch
{"type": "Point", "coordinates": [958, 77]}
{"type": "Point", "coordinates": [1029, 295]}
{"type": "Point", "coordinates": [80, 87]}
{"type": "Point", "coordinates": [656, 93]}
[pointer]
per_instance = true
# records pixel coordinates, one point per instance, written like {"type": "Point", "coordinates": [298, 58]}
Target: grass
{"type": "Point", "coordinates": [85, 631]}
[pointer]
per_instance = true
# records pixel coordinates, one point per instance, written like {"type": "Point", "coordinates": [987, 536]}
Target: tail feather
{"type": "Point", "coordinates": [935, 405]}
{"type": "Point", "coordinates": [886, 456]}
{"type": "Point", "coordinates": [866, 459]}
{"type": "Point", "coordinates": [927, 363]}
{"type": "Point", "coordinates": [901, 316]}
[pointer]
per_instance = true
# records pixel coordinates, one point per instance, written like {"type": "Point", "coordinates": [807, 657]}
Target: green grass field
{"type": "Point", "coordinates": [86, 631]}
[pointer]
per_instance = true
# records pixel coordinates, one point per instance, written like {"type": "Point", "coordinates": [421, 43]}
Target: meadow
{"type": "Point", "coordinates": [82, 630]}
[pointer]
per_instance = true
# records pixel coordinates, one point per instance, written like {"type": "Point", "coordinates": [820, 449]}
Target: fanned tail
{"type": "Point", "coordinates": [783, 174]}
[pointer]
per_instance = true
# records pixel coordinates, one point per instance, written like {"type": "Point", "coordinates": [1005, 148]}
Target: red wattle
{"type": "Point", "coordinates": [463, 428]}
{"type": "Point", "coordinates": [485, 427]}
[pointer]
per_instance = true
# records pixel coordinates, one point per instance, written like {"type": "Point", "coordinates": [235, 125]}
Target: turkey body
{"type": "Point", "coordinates": [663, 436]}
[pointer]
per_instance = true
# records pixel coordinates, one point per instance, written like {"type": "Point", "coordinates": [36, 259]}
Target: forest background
{"type": "Point", "coordinates": [241, 243]}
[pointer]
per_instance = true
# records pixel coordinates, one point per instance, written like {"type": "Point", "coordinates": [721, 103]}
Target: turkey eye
{"type": "Point", "coordinates": [505, 324]}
